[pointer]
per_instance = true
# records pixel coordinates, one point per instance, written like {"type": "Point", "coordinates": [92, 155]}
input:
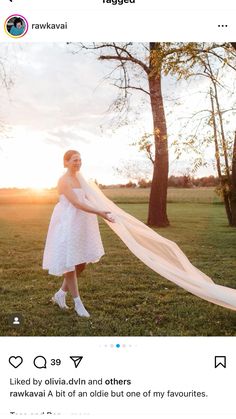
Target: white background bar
{"type": "Point", "coordinates": [138, 26]}
{"type": "Point", "coordinates": [156, 364]}
{"type": "Point", "coordinates": [95, 5]}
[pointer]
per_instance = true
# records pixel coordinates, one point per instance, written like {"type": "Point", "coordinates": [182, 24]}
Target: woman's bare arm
{"type": "Point", "coordinates": [65, 189]}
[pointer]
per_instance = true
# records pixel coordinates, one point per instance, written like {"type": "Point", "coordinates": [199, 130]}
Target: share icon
{"type": "Point", "coordinates": [77, 360]}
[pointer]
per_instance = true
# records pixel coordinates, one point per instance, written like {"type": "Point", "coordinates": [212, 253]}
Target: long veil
{"type": "Point", "coordinates": [158, 253]}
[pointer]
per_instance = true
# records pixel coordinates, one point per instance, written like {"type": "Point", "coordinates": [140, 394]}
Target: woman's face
{"type": "Point", "coordinates": [74, 163]}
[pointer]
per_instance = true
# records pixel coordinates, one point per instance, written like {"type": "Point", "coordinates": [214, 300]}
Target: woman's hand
{"type": "Point", "coordinates": [107, 216]}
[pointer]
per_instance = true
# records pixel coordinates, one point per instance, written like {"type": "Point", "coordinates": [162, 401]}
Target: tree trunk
{"type": "Point", "coordinates": [217, 156]}
{"type": "Point", "coordinates": [233, 186]}
{"type": "Point", "coordinates": [157, 213]}
{"type": "Point", "coordinates": [217, 152]}
{"type": "Point", "coordinates": [223, 139]}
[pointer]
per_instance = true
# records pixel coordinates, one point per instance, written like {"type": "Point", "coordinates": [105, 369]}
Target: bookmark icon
{"type": "Point", "coordinates": [220, 361]}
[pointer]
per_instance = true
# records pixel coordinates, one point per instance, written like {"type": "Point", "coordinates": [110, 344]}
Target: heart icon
{"type": "Point", "coordinates": [15, 361]}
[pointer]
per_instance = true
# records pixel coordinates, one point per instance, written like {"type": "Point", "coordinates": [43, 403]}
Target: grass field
{"type": "Point", "coordinates": [118, 195]}
{"type": "Point", "coordinates": [123, 296]}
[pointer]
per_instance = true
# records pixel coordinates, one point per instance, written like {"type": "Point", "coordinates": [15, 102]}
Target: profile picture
{"type": "Point", "coordinates": [16, 26]}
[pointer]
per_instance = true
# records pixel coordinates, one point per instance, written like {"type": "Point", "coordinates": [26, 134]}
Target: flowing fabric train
{"type": "Point", "coordinates": [158, 253]}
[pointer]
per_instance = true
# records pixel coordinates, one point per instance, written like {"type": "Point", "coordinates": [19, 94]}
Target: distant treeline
{"type": "Point", "coordinates": [173, 181]}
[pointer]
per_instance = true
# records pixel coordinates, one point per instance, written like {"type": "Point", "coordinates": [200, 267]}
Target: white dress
{"type": "Point", "coordinates": [73, 237]}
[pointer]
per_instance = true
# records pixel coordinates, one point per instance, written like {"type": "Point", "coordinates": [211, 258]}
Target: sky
{"type": "Point", "coordinates": [59, 101]}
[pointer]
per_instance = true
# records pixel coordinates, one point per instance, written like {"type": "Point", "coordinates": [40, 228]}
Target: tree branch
{"type": "Point", "coordinates": [133, 87]}
{"type": "Point", "coordinates": [131, 59]}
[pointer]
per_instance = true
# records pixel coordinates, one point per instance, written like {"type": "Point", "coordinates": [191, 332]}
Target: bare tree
{"type": "Point", "coordinates": [227, 174]}
{"type": "Point", "coordinates": [141, 68]}
{"type": "Point", "coordinates": [224, 175]}
{"type": "Point", "coordinates": [208, 61]}
{"type": "Point", "coordinates": [130, 60]}
{"type": "Point", "coordinates": [223, 152]}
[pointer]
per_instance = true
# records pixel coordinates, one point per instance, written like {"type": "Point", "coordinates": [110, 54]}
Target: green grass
{"type": "Point", "coordinates": [123, 296]}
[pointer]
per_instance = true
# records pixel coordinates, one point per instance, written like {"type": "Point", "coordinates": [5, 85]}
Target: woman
{"type": "Point", "coordinates": [73, 238]}
{"type": "Point", "coordinates": [18, 27]}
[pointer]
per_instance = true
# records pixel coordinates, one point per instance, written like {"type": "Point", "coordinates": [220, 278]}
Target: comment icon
{"type": "Point", "coordinates": [40, 362]}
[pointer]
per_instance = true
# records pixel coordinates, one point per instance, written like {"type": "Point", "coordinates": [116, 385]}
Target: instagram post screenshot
{"type": "Point", "coordinates": [117, 209]}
